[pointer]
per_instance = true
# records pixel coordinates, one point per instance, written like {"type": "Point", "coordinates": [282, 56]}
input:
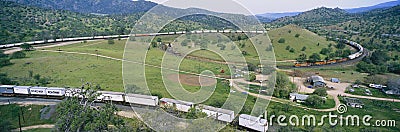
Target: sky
{"type": "Point", "coordinates": [266, 6]}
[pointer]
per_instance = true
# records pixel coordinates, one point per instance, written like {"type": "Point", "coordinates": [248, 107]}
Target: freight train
{"type": "Point", "coordinates": [359, 53]}
{"type": "Point", "coordinates": [224, 115]}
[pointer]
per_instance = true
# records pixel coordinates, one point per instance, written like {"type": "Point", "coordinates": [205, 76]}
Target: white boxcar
{"type": "Point", "coordinates": [141, 99]}
{"type": "Point", "coordinates": [55, 91]}
{"type": "Point", "coordinates": [37, 90]}
{"type": "Point", "coordinates": [218, 113]}
{"type": "Point", "coordinates": [22, 89]}
{"type": "Point", "coordinates": [253, 123]}
{"type": "Point", "coordinates": [178, 104]}
{"type": "Point", "coordinates": [7, 89]}
{"type": "Point", "coordinates": [111, 96]}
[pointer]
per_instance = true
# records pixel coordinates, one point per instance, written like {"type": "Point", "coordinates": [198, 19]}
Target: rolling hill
{"type": "Point", "coordinates": [306, 39]}
{"type": "Point", "coordinates": [92, 6]}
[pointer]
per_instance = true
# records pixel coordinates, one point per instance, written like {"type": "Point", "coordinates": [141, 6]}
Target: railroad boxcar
{"type": "Point", "coordinates": [141, 99]}
{"type": "Point", "coordinates": [218, 113]}
{"type": "Point", "coordinates": [59, 92]}
{"type": "Point", "coordinates": [22, 90]}
{"type": "Point", "coordinates": [111, 96]}
{"type": "Point", "coordinates": [74, 92]}
{"type": "Point", "coordinates": [37, 90]}
{"type": "Point", "coordinates": [178, 104]}
{"type": "Point", "coordinates": [6, 90]}
{"type": "Point", "coordinates": [253, 123]}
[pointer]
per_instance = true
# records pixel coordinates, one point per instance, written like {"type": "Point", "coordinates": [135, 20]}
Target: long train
{"type": "Point", "coordinates": [123, 36]}
{"type": "Point", "coordinates": [359, 53]}
{"type": "Point", "coordinates": [224, 115]}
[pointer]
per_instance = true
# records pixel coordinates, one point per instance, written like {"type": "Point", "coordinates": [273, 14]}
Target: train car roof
{"type": "Point", "coordinates": [7, 86]}
{"type": "Point", "coordinates": [22, 86]}
{"type": "Point", "coordinates": [108, 92]}
{"type": "Point", "coordinates": [176, 101]}
{"type": "Point", "coordinates": [55, 88]}
{"type": "Point", "coordinates": [253, 118]}
{"type": "Point", "coordinates": [142, 96]}
{"type": "Point", "coordinates": [39, 87]}
{"type": "Point", "coordinates": [217, 109]}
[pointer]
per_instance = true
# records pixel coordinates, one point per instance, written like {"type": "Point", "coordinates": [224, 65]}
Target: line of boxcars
{"type": "Point", "coordinates": [220, 114]}
{"type": "Point", "coordinates": [359, 53]}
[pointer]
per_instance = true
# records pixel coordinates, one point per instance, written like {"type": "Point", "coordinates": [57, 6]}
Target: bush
{"type": "Point", "coordinates": [304, 48]}
{"type": "Point", "coordinates": [111, 41]}
{"type": "Point", "coordinates": [292, 50]}
{"type": "Point", "coordinates": [297, 35]}
{"type": "Point", "coordinates": [281, 40]}
{"type": "Point", "coordinates": [314, 100]}
{"type": "Point", "coordinates": [320, 92]}
{"type": "Point", "coordinates": [18, 55]}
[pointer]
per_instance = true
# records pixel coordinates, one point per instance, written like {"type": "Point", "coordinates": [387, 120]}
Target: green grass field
{"type": "Point", "coordinates": [306, 39]}
{"type": "Point", "coordinates": [30, 116]}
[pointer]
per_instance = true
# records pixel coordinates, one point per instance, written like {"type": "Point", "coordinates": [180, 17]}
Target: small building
{"type": "Point", "coordinates": [335, 80]}
{"type": "Point", "coordinates": [317, 81]}
{"type": "Point", "coordinates": [353, 102]}
{"type": "Point", "coordinates": [298, 97]}
{"type": "Point", "coordinates": [177, 104]}
{"type": "Point", "coordinates": [218, 113]}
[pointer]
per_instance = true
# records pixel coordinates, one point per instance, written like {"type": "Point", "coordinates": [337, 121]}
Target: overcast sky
{"type": "Point", "coordinates": [264, 6]}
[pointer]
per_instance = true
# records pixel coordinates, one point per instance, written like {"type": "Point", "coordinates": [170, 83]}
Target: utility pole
{"type": "Point", "coordinates": [19, 122]}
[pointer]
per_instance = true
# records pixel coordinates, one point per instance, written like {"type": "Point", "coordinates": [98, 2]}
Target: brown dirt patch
{"type": "Point", "coordinates": [192, 80]}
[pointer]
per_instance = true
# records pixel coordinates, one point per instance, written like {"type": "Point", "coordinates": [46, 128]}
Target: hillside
{"type": "Point", "coordinates": [21, 23]}
{"type": "Point", "coordinates": [319, 16]}
{"type": "Point", "coordinates": [306, 39]}
{"type": "Point", "coordinates": [92, 6]}
{"type": "Point", "coordinates": [378, 6]}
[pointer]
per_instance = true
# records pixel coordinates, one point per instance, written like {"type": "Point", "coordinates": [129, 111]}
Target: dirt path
{"type": "Point", "coordinates": [35, 127]}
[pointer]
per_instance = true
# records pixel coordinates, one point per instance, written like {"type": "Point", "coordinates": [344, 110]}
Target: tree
{"type": "Point", "coordinates": [281, 40]}
{"type": "Point", "coordinates": [315, 57]}
{"type": "Point", "coordinates": [341, 45]}
{"type": "Point", "coordinates": [75, 114]}
{"type": "Point", "coordinates": [195, 113]}
{"type": "Point", "coordinates": [379, 57]}
{"type": "Point", "coordinates": [283, 86]}
{"type": "Point", "coordinates": [251, 77]}
{"type": "Point", "coordinates": [111, 41]}
{"type": "Point", "coordinates": [325, 51]}
{"type": "Point", "coordinates": [297, 35]}
{"type": "Point", "coordinates": [302, 58]}
{"type": "Point", "coordinates": [26, 47]}
{"type": "Point", "coordinates": [304, 48]}
{"type": "Point", "coordinates": [320, 92]}
{"type": "Point", "coordinates": [251, 66]}
{"type": "Point", "coordinates": [5, 80]}
{"type": "Point", "coordinates": [314, 100]}
{"type": "Point", "coordinates": [292, 50]}
{"type": "Point", "coordinates": [18, 55]}
{"type": "Point", "coordinates": [287, 47]}
{"type": "Point", "coordinates": [159, 40]}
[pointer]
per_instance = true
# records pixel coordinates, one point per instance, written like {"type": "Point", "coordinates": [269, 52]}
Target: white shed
{"type": "Point", "coordinates": [55, 91]}
{"type": "Point", "coordinates": [22, 90]}
{"type": "Point", "coordinates": [218, 113]}
{"type": "Point", "coordinates": [178, 104]}
{"type": "Point", "coordinates": [38, 90]}
{"type": "Point", "coordinates": [113, 96]}
{"type": "Point", "coordinates": [254, 123]}
{"type": "Point", "coordinates": [141, 99]}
